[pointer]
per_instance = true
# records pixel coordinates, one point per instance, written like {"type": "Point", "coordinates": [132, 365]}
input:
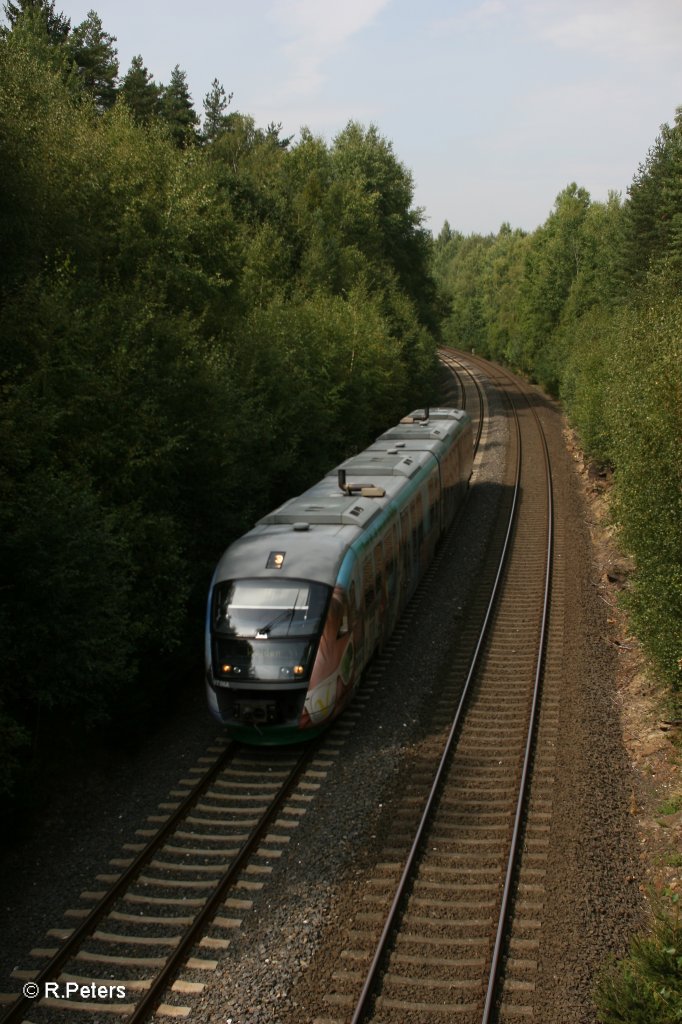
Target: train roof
{"type": "Point", "coordinates": [427, 424]}
{"type": "Point", "coordinates": [249, 557]}
{"type": "Point", "coordinates": [338, 517]}
{"type": "Point", "coordinates": [385, 460]}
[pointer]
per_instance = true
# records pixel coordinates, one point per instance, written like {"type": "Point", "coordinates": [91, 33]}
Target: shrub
{"type": "Point", "coordinates": [646, 986]}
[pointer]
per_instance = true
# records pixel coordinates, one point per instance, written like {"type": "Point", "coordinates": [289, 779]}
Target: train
{"type": "Point", "coordinates": [300, 604]}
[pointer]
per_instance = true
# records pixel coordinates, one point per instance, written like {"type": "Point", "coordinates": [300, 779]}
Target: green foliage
{"type": "Point", "coordinates": [96, 60]}
{"type": "Point", "coordinates": [56, 25]}
{"type": "Point", "coordinates": [585, 380]}
{"type": "Point", "coordinates": [62, 565]}
{"type": "Point", "coordinates": [646, 986]}
{"type": "Point", "coordinates": [172, 316]}
{"type": "Point", "coordinates": [139, 91]}
{"type": "Point", "coordinates": [652, 229]}
{"type": "Point", "coordinates": [589, 305]}
{"type": "Point", "coordinates": [216, 102]}
{"type": "Point", "coordinates": [177, 110]}
{"type": "Point", "coordinates": [645, 423]}
{"type": "Point", "coordinates": [671, 806]}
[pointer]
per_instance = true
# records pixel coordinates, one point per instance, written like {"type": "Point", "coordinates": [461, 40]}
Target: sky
{"type": "Point", "coordinates": [494, 106]}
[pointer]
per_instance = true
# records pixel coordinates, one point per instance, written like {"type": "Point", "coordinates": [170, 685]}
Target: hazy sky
{"type": "Point", "coordinates": [494, 105]}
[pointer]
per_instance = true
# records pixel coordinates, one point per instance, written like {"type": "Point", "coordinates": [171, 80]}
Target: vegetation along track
{"type": "Point", "coordinates": [170, 910]}
{"type": "Point", "coordinates": [448, 927]}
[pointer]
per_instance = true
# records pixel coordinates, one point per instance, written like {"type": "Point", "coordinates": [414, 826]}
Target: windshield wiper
{"type": "Point", "coordinates": [263, 632]}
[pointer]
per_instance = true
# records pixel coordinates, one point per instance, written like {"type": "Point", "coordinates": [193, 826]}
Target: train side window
{"type": "Point", "coordinates": [368, 581]}
{"type": "Point", "coordinates": [433, 500]}
{"type": "Point", "coordinates": [404, 527]}
{"type": "Point", "coordinates": [389, 552]}
{"type": "Point", "coordinates": [378, 568]}
{"type": "Point", "coordinates": [417, 511]}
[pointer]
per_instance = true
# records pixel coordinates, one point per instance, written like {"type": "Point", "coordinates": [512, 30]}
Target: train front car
{"type": "Point", "coordinates": [272, 608]}
{"type": "Point", "coordinates": [299, 605]}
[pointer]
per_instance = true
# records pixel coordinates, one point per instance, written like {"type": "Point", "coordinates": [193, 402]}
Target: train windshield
{"type": "Point", "coordinates": [269, 609]}
{"type": "Point", "coordinates": [267, 629]}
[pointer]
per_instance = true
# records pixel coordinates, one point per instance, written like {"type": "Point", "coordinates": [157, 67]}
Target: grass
{"type": "Point", "coordinates": [646, 986]}
{"type": "Point", "coordinates": [671, 806]}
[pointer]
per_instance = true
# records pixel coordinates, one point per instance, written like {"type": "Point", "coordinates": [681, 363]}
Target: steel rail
{"type": "Point", "coordinates": [495, 968]}
{"type": "Point", "coordinates": [17, 1009]}
{"type": "Point", "coordinates": [149, 1002]}
{"type": "Point", "coordinates": [152, 997]}
{"type": "Point", "coordinates": [450, 361]}
{"type": "Point", "coordinates": [370, 978]}
{"type": "Point", "coordinates": [512, 860]}
{"type": "Point", "coordinates": [479, 392]}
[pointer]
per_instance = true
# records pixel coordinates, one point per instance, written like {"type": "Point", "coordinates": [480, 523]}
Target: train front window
{"type": "Point", "coordinates": [269, 609]}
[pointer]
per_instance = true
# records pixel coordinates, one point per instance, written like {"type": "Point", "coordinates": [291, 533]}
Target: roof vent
{"type": "Point", "coordinates": [301, 527]}
{"type": "Point", "coordinates": [366, 490]}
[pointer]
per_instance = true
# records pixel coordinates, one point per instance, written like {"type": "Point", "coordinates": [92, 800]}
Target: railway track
{"type": "Point", "coordinates": [448, 926]}
{"type": "Point", "coordinates": [464, 390]}
{"type": "Point", "coordinates": [151, 935]}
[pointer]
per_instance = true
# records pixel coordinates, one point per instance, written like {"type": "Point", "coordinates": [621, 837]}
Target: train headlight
{"type": "Point", "coordinates": [226, 669]}
{"type": "Point", "coordinates": [299, 670]}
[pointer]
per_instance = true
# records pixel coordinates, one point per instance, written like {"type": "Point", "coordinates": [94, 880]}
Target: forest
{"type": "Point", "coordinates": [590, 306]}
{"type": "Point", "coordinates": [198, 317]}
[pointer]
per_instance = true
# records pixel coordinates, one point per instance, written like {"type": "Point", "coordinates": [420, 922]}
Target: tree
{"type": "Point", "coordinates": [96, 58]}
{"type": "Point", "coordinates": [178, 111]}
{"type": "Point", "coordinates": [216, 121]}
{"type": "Point", "coordinates": [653, 211]}
{"type": "Point", "coordinates": [377, 215]}
{"type": "Point", "coordinates": [58, 27]}
{"type": "Point", "coordinates": [140, 91]}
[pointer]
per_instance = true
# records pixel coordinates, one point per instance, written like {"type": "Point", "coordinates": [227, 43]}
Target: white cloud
{"type": "Point", "coordinates": [625, 29]}
{"type": "Point", "coordinates": [477, 16]}
{"type": "Point", "coordinates": [315, 31]}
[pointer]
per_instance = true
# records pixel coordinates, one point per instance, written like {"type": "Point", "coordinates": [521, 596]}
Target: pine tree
{"type": "Point", "coordinates": [96, 58]}
{"type": "Point", "coordinates": [140, 91]}
{"type": "Point", "coordinates": [653, 211]}
{"type": "Point", "coordinates": [178, 111]}
{"type": "Point", "coordinates": [58, 27]}
{"type": "Point", "coordinates": [216, 121]}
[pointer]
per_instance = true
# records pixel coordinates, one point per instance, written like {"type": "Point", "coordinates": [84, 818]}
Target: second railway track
{"type": "Point", "coordinates": [432, 937]}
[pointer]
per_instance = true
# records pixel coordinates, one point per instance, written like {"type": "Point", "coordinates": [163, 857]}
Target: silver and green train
{"type": "Point", "coordinates": [299, 605]}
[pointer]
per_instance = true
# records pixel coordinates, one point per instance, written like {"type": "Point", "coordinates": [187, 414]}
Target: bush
{"type": "Point", "coordinates": [644, 414]}
{"type": "Point", "coordinates": [646, 986]}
